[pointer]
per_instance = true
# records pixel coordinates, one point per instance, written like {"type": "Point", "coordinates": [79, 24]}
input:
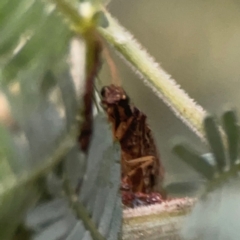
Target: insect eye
{"type": "Point", "coordinates": [124, 102]}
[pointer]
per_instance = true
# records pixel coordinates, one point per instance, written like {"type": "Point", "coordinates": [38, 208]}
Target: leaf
{"type": "Point", "coordinates": [38, 144]}
{"type": "Point", "coordinates": [38, 36]}
{"type": "Point", "coordinates": [216, 213]}
{"type": "Point", "coordinates": [26, 15]}
{"type": "Point", "coordinates": [13, 204]}
{"type": "Point", "coordinates": [20, 191]}
{"type": "Point", "coordinates": [194, 160]}
{"type": "Point", "coordinates": [215, 141]}
{"type": "Point", "coordinates": [230, 125]}
{"type": "Point", "coordinates": [33, 51]}
{"type": "Point", "coordinates": [98, 211]}
{"type": "Point", "coordinates": [67, 89]}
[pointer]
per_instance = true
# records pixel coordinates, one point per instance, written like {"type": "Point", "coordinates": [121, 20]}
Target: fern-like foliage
{"type": "Point", "coordinates": [96, 212]}
{"type": "Point", "coordinates": [216, 214]}
{"type": "Point", "coordinates": [40, 163]}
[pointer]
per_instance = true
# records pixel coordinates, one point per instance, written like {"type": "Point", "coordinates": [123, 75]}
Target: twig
{"type": "Point", "coordinates": [160, 221]}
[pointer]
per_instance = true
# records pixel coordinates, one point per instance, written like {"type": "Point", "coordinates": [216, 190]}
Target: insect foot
{"type": "Point", "coordinates": [132, 200]}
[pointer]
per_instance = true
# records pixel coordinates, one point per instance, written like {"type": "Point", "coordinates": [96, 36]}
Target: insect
{"type": "Point", "coordinates": [141, 167]}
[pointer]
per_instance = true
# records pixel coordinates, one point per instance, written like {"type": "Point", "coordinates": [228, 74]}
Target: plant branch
{"type": "Point", "coordinates": [158, 221]}
{"type": "Point", "coordinates": [82, 20]}
{"type": "Point", "coordinates": [154, 76]}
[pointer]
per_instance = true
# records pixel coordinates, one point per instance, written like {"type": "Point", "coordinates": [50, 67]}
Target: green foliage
{"type": "Point", "coordinates": [41, 165]}
{"type": "Point", "coordinates": [194, 160]}
{"type": "Point", "coordinates": [216, 213]}
{"type": "Point", "coordinates": [37, 42]}
{"type": "Point", "coordinates": [225, 158]}
{"type": "Point", "coordinates": [215, 142]}
{"type": "Point", "coordinates": [98, 211]}
{"type": "Point", "coordinates": [232, 131]}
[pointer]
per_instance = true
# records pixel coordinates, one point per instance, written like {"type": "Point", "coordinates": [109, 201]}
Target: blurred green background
{"type": "Point", "coordinates": [198, 43]}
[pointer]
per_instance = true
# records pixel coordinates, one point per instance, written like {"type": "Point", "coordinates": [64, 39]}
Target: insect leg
{"type": "Point", "coordinates": [135, 162]}
{"type": "Point", "coordinates": [122, 129]}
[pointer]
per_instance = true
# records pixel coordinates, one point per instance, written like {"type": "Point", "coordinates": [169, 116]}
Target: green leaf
{"type": "Point", "coordinates": [13, 203]}
{"type": "Point", "coordinates": [29, 18]}
{"type": "Point", "coordinates": [216, 213]}
{"type": "Point", "coordinates": [7, 154]}
{"type": "Point", "coordinates": [35, 77]}
{"type": "Point", "coordinates": [41, 141]}
{"type": "Point", "coordinates": [35, 35]}
{"type": "Point", "coordinates": [193, 159]}
{"type": "Point", "coordinates": [215, 142]}
{"type": "Point", "coordinates": [98, 206]}
{"type": "Point", "coordinates": [230, 125]}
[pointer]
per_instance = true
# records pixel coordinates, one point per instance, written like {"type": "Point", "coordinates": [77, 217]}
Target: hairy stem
{"type": "Point", "coordinates": [154, 76]}
{"type": "Point", "coordinates": [160, 221]}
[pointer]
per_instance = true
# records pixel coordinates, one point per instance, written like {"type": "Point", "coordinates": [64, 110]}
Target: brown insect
{"type": "Point", "coordinates": [141, 167]}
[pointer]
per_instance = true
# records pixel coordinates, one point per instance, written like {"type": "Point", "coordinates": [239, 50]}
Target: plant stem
{"type": "Point", "coordinates": [160, 221]}
{"type": "Point", "coordinates": [154, 76]}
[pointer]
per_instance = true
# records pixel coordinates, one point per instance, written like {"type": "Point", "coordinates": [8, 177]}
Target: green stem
{"type": "Point", "coordinates": [69, 11]}
{"type": "Point", "coordinates": [154, 76]}
{"type": "Point", "coordinates": [80, 21]}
